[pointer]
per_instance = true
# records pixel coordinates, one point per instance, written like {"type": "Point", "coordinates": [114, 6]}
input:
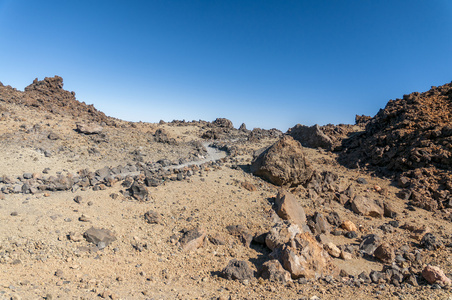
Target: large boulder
{"type": "Point", "coordinates": [312, 136]}
{"type": "Point", "coordinates": [283, 163]}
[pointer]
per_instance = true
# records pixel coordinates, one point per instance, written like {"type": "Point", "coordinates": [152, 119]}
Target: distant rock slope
{"type": "Point", "coordinates": [49, 95]}
{"type": "Point", "coordinates": [411, 138]}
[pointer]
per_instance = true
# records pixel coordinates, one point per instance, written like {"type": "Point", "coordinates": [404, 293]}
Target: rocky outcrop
{"type": "Point", "coordinates": [49, 95]}
{"type": "Point", "coordinates": [410, 138]}
{"type": "Point", "coordinates": [284, 163]}
{"type": "Point", "coordinates": [312, 137]}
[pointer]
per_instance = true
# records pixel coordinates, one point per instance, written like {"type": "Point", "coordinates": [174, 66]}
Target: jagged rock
{"type": "Point", "coordinates": [241, 232]}
{"type": "Point", "coordinates": [409, 138]}
{"type": "Point", "coordinates": [281, 234]}
{"type": "Point", "coordinates": [237, 270]}
{"type": "Point", "coordinates": [332, 249]}
{"type": "Point", "coordinates": [243, 127]}
{"type": "Point", "coordinates": [288, 208]}
{"type": "Point", "coordinates": [283, 163]}
{"type": "Point", "coordinates": [223, 122]}
{"type": "Point", "coordinates": [138, 191]}
{"type": "Point", "coordinates": [389, 210]}
{"type": "Point", "coordinates": [89, 128]}
{"type": "Point", "coordinates": [369, 243]}
{"type": "Point", "coordinates": [305, 257]}
{"type": "Point", "coordinates": [434, 274]}
{"type": "Point", "coordinates": [192, 239]}
{"type": "Point", "coordinates": [320, 224]}
{"type": "Point", "coordinates": [310, 136]}
{"type": "Point", "coordinates": [274, 272]}
{"type": "Point", "coordinates": [430, 242]}
{"type": "Point", "coordinates": [248, 186]}
{"type": "Point", "coordinates": [385, 253]}
{"type": "Point", "coordinates": [366, 207]}
{"type": "Point", "coordinates": [99, 236]}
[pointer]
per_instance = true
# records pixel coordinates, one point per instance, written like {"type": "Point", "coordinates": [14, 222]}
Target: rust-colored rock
{"type": "Point", "coordinates": [305, 257]}
{"type": "Point", "coordinates": [288, 208]}
{"type": "Point", "coordinates": [434, 274]}
{"type": "Point", "coordinates": [284, 163]}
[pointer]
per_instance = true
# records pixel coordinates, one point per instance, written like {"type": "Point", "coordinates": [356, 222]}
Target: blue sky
{"type": "Point", "coordinates": [266, 63]}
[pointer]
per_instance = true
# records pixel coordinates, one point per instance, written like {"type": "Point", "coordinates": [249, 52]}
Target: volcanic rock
{"type": "Point", "coordinates": [223, 122]}
{"type": "Point", "coordinates": [410, 137]}
{"type": "Point", "coordinates": [138, 191]}
{"type": "Point", "coordinates": [434, 274]}
{"type": "Point", "coordinates": [385, 253]}
{"type": "Point", "coordinates": [89, 128]}
{"type": "Point", "coordinates": [237, 270]}
{"type": "Point", "coordinates": [305, 257]}
{"type": "Point", "coordinates": [288, 208]}
{"type": "Point", "coordinates": [193, 239]}
{"type": "Point", "coordinates": [284, 163]}
{"type": "Point", "coordinates": [312, 137]}
{"type": "Point", "coordinates": [366, 207]}
{"type": "Point", "coordinates": [369, 243]}
{"type": "Point", "coordinates": [274, 272]}
{"type": "Point", "coordinates": [99, 236]}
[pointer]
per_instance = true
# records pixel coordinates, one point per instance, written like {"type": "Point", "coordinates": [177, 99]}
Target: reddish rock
{"type": "Point", "coordinates": [305, 257]}
{"type": "Point", "coordinates": [385, 253]}
{"type": "Point", "coordinates": [288, 208]}
{"type": "Point", "coordinates": [284, 163]}
{"type": "Point", "coordinates": [280, 235]}
{"type": "Point", "coordinates": [434, 274]}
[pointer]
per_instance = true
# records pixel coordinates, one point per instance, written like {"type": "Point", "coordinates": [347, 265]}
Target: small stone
{"type": "Point", "coordinates": [332, 249]}
{"type": "Point", "coordinates": [78, 199]}
{"type": "Point", "coordinates": [84, 218]}
{"type": "Point", "coordinates": [193, 239]}
{"type": "Point", "coordinates": [349, 226]}
{"type": "Point", "coordinates": [152, 217]}
{"type": "Point", "coordinates": [434, 274]}
{"type": "Point", "coordinates": [99, 236]}
{"type": "Point", "coordinates": [346, 255]}
{"type": "Point", "coordinates": [249, 186]}
{"type": "Point", "coordinates": [385, 253]}
{"type": "Point", "coordinates": [14, 213]}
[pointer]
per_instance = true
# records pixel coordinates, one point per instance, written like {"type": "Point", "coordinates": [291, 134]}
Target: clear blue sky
{"type": "Point", "coordinates": [265, 63]}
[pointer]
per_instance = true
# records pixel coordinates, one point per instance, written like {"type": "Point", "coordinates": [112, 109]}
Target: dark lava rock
{"type": "Point", "coordinates": [237, 270]}
{"type": "Point", "coordinates": [430, 242]}
{"type": "Point", "coordinates": [369, 243]}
